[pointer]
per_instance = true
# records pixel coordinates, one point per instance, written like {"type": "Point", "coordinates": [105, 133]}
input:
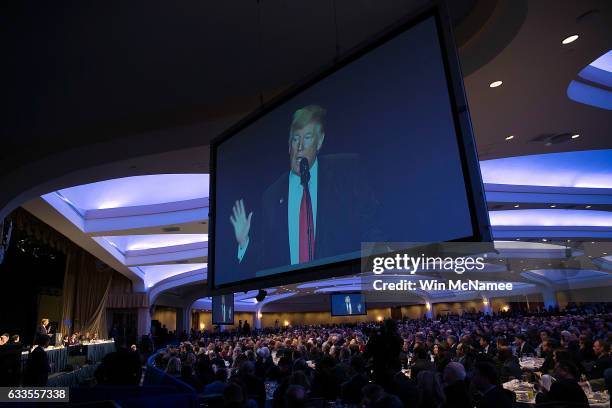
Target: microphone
{"type": "Point", "coordinates": [304, 171]}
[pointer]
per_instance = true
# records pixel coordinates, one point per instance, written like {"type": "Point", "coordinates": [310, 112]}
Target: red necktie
{"type": "Point", "coordinates": [306, 228]}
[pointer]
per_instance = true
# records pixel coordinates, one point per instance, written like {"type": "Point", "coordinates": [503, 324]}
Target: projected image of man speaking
{"type": "Point", "coordinates": [310, 211]}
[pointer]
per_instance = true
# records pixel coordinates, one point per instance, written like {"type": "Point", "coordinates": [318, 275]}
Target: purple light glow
{"type": "Point", "coordinates": [138, 190]}
{"type": "Point", "coordinates": [551, 217]}
{"type": "Point", "coordinates": [138, 242]}
{"type": "Point", "coordinates": [590, 168]}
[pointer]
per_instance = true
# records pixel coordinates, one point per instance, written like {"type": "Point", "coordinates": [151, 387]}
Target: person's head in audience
{"type": "Point", "coordinates": [174, 366]}
{"type": "Point", "coordinates": [483, 341]}
{"type": "Point", "coordinates": [484, 376]}
{"type": "Point", "coordinates": [420, 353]}
{"type": "Point", "coordinates": [371, 393]}
{"type": "Point", "coordinates": [561, 355]}
{"type": "Point", "coordinates": [4, 338]}
{"type": "Point", "coordinates": [601, 348]}
{"type": "Point", "coordinates": [450, 340]}
{"type": "Point", "coordinates": [548, 346]}
{"type": "Point", "coordinates": [453, 372]}
{"type": "Point", "coordinates": [436, 350]}
{"type": "Point", "coordinates": [44, 322]}
{"type": "Point", "coordinates": [134, 348]}
{"type": "Point", "coordinates": [519, 340]}
{"type": "Point", "coordinates": [15, 338]}
{"type": "Point", "coordinates": [565, 370]}
{"type": "Point", "coordinates": [504, 354]}
{"type": "Point", "coordinates": [247, 368]}
{"type": "Point", "coordinates": [544, 336]}
{"type": "Point", "coordinates": [295, 396]}
{"type": "Point", "coordinates": [501, 342]}
{"type": "Point", "coordinates": [461, 350]}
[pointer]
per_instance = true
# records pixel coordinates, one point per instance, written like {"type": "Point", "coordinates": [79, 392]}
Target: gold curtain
{"type": "Point", "coordinates": [87, 284]}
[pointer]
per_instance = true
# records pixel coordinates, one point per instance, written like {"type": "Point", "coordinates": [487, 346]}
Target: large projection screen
{"type": "Point", "coordinates": [377, 149]}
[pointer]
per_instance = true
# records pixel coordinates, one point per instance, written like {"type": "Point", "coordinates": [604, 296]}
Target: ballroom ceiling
{"type": "Point", "coordinates": [115, 90]}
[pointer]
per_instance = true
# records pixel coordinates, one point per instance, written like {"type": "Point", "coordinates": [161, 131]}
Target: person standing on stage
{"type": "Point", "coordinates": [43, 329]}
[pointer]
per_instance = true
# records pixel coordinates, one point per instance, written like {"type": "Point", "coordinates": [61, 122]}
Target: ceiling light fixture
{"type": "Point", "coordinates": [544, 239]}
{"type": "Point", "coordinates": [553, 206]}
{"type": "Point", "coordinates": [495, 84]}
{"type": "Point", "coordinates": [510, 137]}
{"type": "Point", "coordinates": [570, 39]}
{"type": "Point", "coordinates": [576, 136]}
{"type": "Point", "coordinates": [516, 206]}
{"type": "Point", "coordinates": [588, 206]}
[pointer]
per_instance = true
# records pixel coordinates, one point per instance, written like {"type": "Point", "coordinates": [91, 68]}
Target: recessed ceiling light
{"type": "Point", "coordinates": [510, 137]}
{"type": "Point", "coordinates": [588, 206]}
{"type": "Point", "coordinates": [516, 206]}
{"type": "Point", "coordinates": [553, 206]}
{"type": "Point", "coordinates": [544, 239]}
{"type": "Point", "coordinates": [576, 136]}
{"type": "Point", "coordinates": [495, 84]}
{"type": "Point", "coordinates": [570, 39]}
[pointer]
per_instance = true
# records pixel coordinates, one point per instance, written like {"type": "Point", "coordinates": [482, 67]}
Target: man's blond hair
{"type": "Point", "coordinates": [308, 114]}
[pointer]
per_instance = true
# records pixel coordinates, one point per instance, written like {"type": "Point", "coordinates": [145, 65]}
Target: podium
{"type": "Point", "coordinates": [56, 339]}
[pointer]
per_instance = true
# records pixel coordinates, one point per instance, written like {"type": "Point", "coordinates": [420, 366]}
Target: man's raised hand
{"type": "Point", "coordinates": [241, 223]}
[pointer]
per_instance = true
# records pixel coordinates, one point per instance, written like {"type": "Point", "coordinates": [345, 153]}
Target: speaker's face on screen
{"type": "Point", "coordinates": [304, 142]}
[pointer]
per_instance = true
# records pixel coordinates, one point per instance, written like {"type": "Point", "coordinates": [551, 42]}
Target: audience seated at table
{"type": "Point", "coordinates": [456, 361]}
{"type": "Point", "coordinates": [452, 362]}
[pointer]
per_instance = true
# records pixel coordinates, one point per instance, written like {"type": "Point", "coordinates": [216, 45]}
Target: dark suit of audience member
{"type": "Point", "coordinates": [10, 364]}
{"type": "Point", "coordinates": [256, 389]}
{"type": "Point", "coordinates": [565, 391]}
{"type": "Point", "coordinates": [496, 397]}
{"type": "Point", "coordinates": [490, 395]}
{"type": "Point", "coordinates": [508, 364]}
{"type": "Point", "coordinates": [602, 363]}
{"type": "Point", "coordinates": [458, 395]}
{"type": "Point", "coordinates": [384, 348]}
{"type": "Point", "coordinates": [524, 349]}
{"type": "Point", "coordinates": [37, 366]}
{"type": "Point", "coordinates": [405, 389]}
{"type": "Point", "coordinates": [421, 362]}
{"type": "Point", "coordinates": [350, 390]}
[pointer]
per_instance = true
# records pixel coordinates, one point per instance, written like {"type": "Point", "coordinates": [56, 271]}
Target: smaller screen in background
{"type": "Point", "coordinates": [348, 304]}
{"type": "Point", "coordinates": [223, 309]}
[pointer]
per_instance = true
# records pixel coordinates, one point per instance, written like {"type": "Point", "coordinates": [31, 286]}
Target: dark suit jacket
{"type": "Point", "coordinates": [496, 398]}
{"type": "Point", "coordinates": [601, 364]}
{"type": "Point", "coordinates": [567, 391]}
{"type": "Point", "coordinates": [346, 211]}
{"type": "Point", "coordinates": [527, 349]}
{"type": "Point", "coordinates": [41, 332]}
{"type": "Point", "coordinates": [37, 368]}
{"type": "Point", "coordinates": [458, 395]}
